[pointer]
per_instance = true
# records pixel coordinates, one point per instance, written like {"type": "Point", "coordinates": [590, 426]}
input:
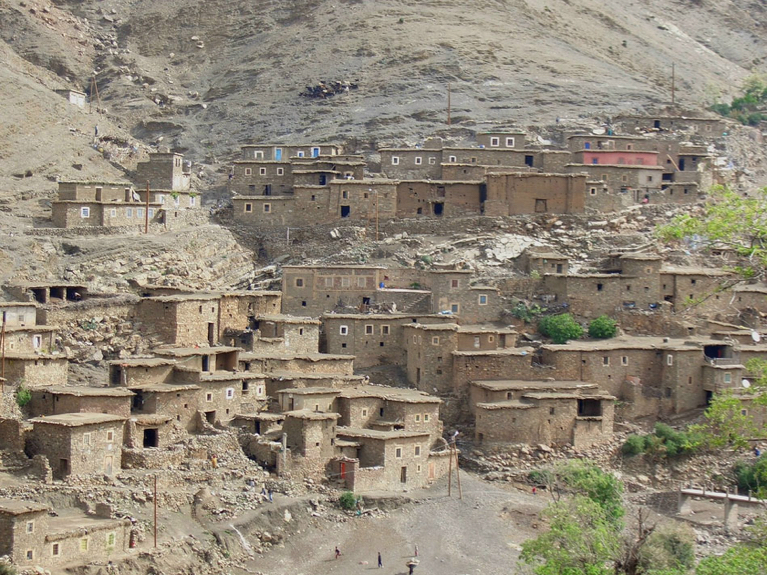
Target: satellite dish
{"type": "Point", "coordinates": [745, 384]}
{"type": "Point", "coordinates": [756, 337]}
{"type": "Point", "coordinates": [598, 131]}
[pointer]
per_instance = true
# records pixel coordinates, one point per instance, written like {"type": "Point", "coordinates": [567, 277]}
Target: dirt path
{"type": "Point", "coordinates": [479, 534]}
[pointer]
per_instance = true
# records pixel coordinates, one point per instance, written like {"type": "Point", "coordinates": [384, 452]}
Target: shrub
{"type": "Point", "coordinates": [347, 500]}
{"type": "Point", "coordinates": [560, 328]}
{"type": "Point", "coordinates": [23, 396]}
{"type": "Point", "coordinates": [540, 476]}
{"type": "Point", "coordinates": [635, 444]}
{"type": "Point", "coordinates": [751, 476]}
{"type": "Point", "coordinates": [603, 328]}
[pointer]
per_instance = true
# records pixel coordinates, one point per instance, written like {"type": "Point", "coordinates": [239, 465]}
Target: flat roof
{"type": "Point", "coordinates": [435, 326]}
{"type": "Point", "coordinates": [18, 304]}
{"type": "Point", "coordinates": [310, 391]}
{"type": "Point", "coordinates": [374, 316]}
{"type": "Point", "coordinates": [636, 342]}
{"type": "Point", "coordinates": [283, 318]}
{"type": "Point", "coordinates": [192, 351]}
{"type": "Point", "coordinates": [750, 288]}
{"type": "Point", "coordinates": [334, 267]}
{"type": "Point", "coordinates": [77, 419]}
{"type": "Point", "coordinates": [505, 351]}
{"type": "Point", "coordinates": [399, 394]}
{"type": "Point", "coordinates": [85, 391]}
{"type": "Point", "coordinates": [695, 271]}
{"type": "Point", "coordinates": [520, 385]}
{"type": "Point", "coordinates": [507, 404]}
{"type": "Point", "coordinates": [485, 329]}
{"type": "Point", "coordinates": [182, 297]}
{"type": "Point", "coordinates": [378, 434]}
{"type": "Point", "coordinates": [309, 414]}
{"type": "Point", "coordinates": [561, 395]}
{"type": "Point", "coordinates": [611, 137]}
{"type": "Point", "coordinates": [141, 362]}
{"type": "Point", "coordinates": [288, 375]}
{"type": "Point", "coordinates": [19, 507]}
{"type": "Point", "coordinates": [164, 387]}
{"type": "Point", "coordinates": [252, 356]}
{"type": "Point", "coordinates": [96, 183]}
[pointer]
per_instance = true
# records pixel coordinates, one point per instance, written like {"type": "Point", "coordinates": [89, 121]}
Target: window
{"type": "Point", "coordinates": [452, 159]}
{"type": "Point", "coordinates": [113, 213]}
{"type": "Point", "coordinates": [495, 142]}
{"type": "Point", "coordinates": [344, 330]}
{"type": "Point", "coordinates": [483, 300]}
{"type": "Point", "coordinates": [248, 207]}
{"type": "Point", "coordinates": [361, 282]}
{"type": "Point", "coordinates": [435, 340]}
{"type": "Point", "coordinates": [151, 213]}
{"type": "Point", "coordinates": [649, 178]}
{"type": "Point", "coordinates": [230, 393]}
{"type": "Point", "coordinates": [267, 208]}
{"type": "Point", "coordinates": [30, 555]}
{"type": "Point", "coordinates": [417, 450]}
{"type": "Point", "coordinates": [454, 283]}
{"type": "Point", "coordinates": [624, 360]}
{"type": "Point", "coordinates": [593, 191]}
{"type": "Point", "coordinates": [280, 171]}
{"type": "Point", "coordinates": [84, 544]}
{"type": "Point", "coordinates": [384, 330]}
{"type": "Point", "coordinates": [606, 360]}
{"type": "Point", "coordinates": [128, 212]}
{"type": "Point", "coordinates": [728, 377]}
{"type": "Point", "coordinates": [55, 550]}
{"type": "Point", "coordinates": [345, 195]}
{"type": "Point", "coordinates": [260, 390]}
{"type": "Point", "coordinates": [85, 212]}
{"type": "Point", "coordinates": [552, 411]}
{"type": "Point", "coordinates": [364, 413]}
{"type": "Point", "coordinates": [398, 452]}
{"type": "Point", "coordinates": [300, 154]}
{"type": "Point", "coordinates": [595, 160]}
{"type": "Point", "coordinates": [509, 142]}
{"type": "Point", "coordinates": [425, 417]}
{"type": "Point", "coordinates": [262, 171]}
{"type": "Point", "coordinates": [208, 397]}
{"type": "Point", "coordinates": [418, 417]}
{"type": "Point", "coordinates": [139, 212]}
{"type": "Point", "coordinates": [669, 359]}
{"type": "Point", "coordinates": [86, 439]}
{"type": "Point", "coordinates": [455, 308]}
{"type": "Point", "coordinates": [432, 161]}
{"type": "Point", "coordinates": [37, 341]}
{"type": "Point", "coordinates": [418, 160]}
{"type": "Point", "coordinates": [477, 342]}
{"type": "Point", "coordinates": [346, 282]}
{"type": "Point", "coordinates": [328, 282]}
{"type": "Point", "coordinates": [110, 436]}
{"type": "Point", "coordinates": [394, 161]}
{"type": "Point", "coordinates": [600, 287]}
{"type": "Point", "coordinates": [604, 177]}
{"type": "Point", "coordinates": [368, 330]}
{"type": "Point", "coordinates": [30, 526]}
{"type": "Point", "coordinates": [624, 179]}
{"type": "Point", "coordinates": [299, 282]}
{"type": "Point", "coordinates": [192, 200]}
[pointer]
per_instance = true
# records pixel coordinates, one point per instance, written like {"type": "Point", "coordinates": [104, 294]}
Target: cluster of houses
{"type": "Point", "coordinates": [502, 174]}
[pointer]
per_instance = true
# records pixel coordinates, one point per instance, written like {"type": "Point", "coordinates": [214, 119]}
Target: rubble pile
{"type": "Point", "coordinates": [324, 90]}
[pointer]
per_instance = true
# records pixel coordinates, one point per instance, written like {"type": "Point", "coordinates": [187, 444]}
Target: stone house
{"type": "Point", "coordinates": [306, 363]}
{"type": "Point", "coordinates": [164, 171]}
{"type": "Point", "coordinates": [36, 369]}
{"type": "Point", "coordinates": [530, 193]}
{"type": "Point", "coordinates": [637, 181]}
{"type": "Point", "coordinates": [411, 163]}
{"type": "Point", "coordinates": [183, 319]}
{"type": "Point", "coordinates": [79, 443]}
{"type": "Point", "coordinates": [683, 287]}
{"type": "Point", "coordinates": [273, 332]}
{"type": "Point", "coordinates": [617, 143]}
{"type": "Point", "coordinates": [171, 401]}
{"type": "Point", "coordinates": [361, 199]}
{"type": "Point", "coordinates": [55, 400]}
{"type": "Point", "coordinates": [310, 437]}
{"type": "Point", "coordinates": [284, 153]}
{"type": "Point", "coordinates": [44, 293]}
{"type": "Point", "coordinates": [504, 139]}
{"type": "Point", "coordinates": [202, 359]}
{"type": "Point", "coordinates": [708, 128]}
{"type": "Point", "coordinates": [317, 399]}
{"type": "Point", "coordinates": [563, 413]}
{"type": "Point", "coordinates": [261, 178]}
{"type": "Point", "coordinates": [314, 290]}
{"type": "Point", "coordinates": [439, 197]}
{"type": "Point", "coordinates": [31, 537]}
{"type": "Point", "coordinates": [542, 260]}
{"type": "Point", "coordinates": [238, 310]}
{"type": "Point", "coordinates": [22, 334]}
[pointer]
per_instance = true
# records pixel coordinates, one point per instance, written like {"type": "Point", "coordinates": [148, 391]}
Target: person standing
{"type": "Point", "coordinates": [416, 549]}
{"type": "Point", "coordinates": [380, 561]}
{"type": "Point", "coordinates": [338, 552]}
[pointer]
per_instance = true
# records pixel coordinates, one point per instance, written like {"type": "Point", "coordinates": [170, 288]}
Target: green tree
{"type": "Point", "coordinates": [581, 540]}
{"type": "Point", "coordinates": [669, 549]}
{"type": "Point", "coordinates": [603, 327]}
{"type": "Point", "coordinates": [738, 560]}
{"type": "Point", "coordinates": [560, 328]}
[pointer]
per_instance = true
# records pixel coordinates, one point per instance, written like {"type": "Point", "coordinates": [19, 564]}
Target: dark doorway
{"type": "Point", "coordinates": [656, 124]}
{"type": "Point", "coordinates": [211, 333]}
{"type": "Point", "coordinates": [589, 408]}
{"type": "Point", "coordinates": [268, 190]}
{"type": "Point", "coordinates": [529, 161]}
{"type": "Point", "coordinates": [210, 417]}
{"type": "Point", "coordinates": [681, 164]}
{"type": "Point", "coordinates": [258, 427]}
{"type": "Point", "coordinates": [403, 475]}
{"type": "Point", "coordinates": [439, 208]}
{"type": "Point", "coordinates": [709, 397]}
{"type": "Point", "coordinates": [206, 363]}
{"type": "Point", "coordinates": [138, 401]}
{"type": "Point", "coordinates": [559, 268]}
{"type": "Point", "coordinates": [540, 206]}
{"type": "Point", "coordinates": [151, 438]}
{"type": "Point", "coordinates": [323, 179]}
{"type": "Point", "coordinates": [115, 375]}
{"type": "Point", "coordinates": [346, 211]}
{"type": "Point", "coordinates": [63, 467]}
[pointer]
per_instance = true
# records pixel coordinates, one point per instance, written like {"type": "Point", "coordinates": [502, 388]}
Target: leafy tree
{"type": "Point", "coordinates": [738, 560]}
{"type": "Point", "coordinates": [23, 395]}
{"type": "Point", "coordinates": [669, 549]}
{"type": "Point", "coordinates": [581, 540]}
{"type": "Point", "coordinates": [752, 476]}
{"type": "Point", "coordinates": [603, 327]}
{"type": "Point", "coordinates": [602, 488]}
{"type": "Point", "coordinates": [746, 108]}
{"type": "Point", "coordinates": [560, 328]}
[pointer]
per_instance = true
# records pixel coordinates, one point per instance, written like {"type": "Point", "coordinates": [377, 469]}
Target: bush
{"type": "Point", "coordinates": [751, 476]}
{"type": "Point", "coordinates": [560, 328]}
{"type": "Point", "coordinates": [347, 500]}
{"type": "Point", "coordinates": [540, 476]}
{"type": "Point", "coordinates": [7, 569]}
{"type": "Point", "coordinates": [635, 444]}
{"type": "Point", "coordinates": [603, 328]}
{"type": "Point", "coordinates": [23, 396]}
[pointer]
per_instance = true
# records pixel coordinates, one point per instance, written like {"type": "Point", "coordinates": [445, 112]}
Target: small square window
{"type": "Point", "coordinates": [418, 417]}
{"type": "Point", "coordinates": [208, 397]}
{"type": "Point", "coordinates": [728, 377]}
{"type": "Point", "coordinates": [395, 161]}
{"type": "Point", "coordinates": [432, 161]}
{"type": "Point", "coordinates": [230, 393]}
{"type": "Point", "coordinates": [552, 411]}
{"type": "Point", "coordinates": [111, 538]}
{"type": "Point", "coordinates": [483, 300]}
{"type": "Point", "coordinates": [128, 212]}
{"type": "Point", "coordinates": [346, 282]}
{"type": "Point", "coordinates": [398, 452]}
{"type": "Point", "coordinates": [495, 142]}
{"type": "Point", "coordinates": [248, 207]}
{"type": "Point", "coordinates": [110, 436]}
{"type": "Point", "coordinates": [86, 439]}
{"type": "Point", "coordinates": [361, 282]}
{"type": "Point", "coordinates": [606, 360]}
{"type": "Point", "coordinates": [669, 359]}
{"type": "Point", "coordinates": [30, 555]}
{"type": "Point", "coordinates": [55, 550]}
{"type": "Point", "coordinates": [452, 159]}
{"type": "Point", "coordinates": [84, 544]}
{"type": "Point", "coordinates": [113, 213]}
{"type": "Point", "coordinates": [593, 191]}
{"type": "Point", "coordinates": [262, 171]}
{"type": "Point", "coordinates": [368, 330]}
{"type": "Point", "coordinates": [425, 417]}
{"type": "Point", "coordinates": [417, 450]}
{"type": "Point", "coordinates": [364, 413]}
{"type": "Point", "coordinates": [85, 212]}
{"type": "Point", "coordinates": [454, 283]}
{"type": "Point", "coordinates": [384, 330]}
{"type": "Point", "coordinates": [435, 340]}
{"type": "Point", "coordinates": [509, 142]}
{"type": "Point", "coordinates": [344, 330]}
{"type": "Point", "coordinates": [345, 195]}
{"type": "Point", "coordinates": [30, 526]}
{"type": "Point", "coordinates": [299, 282]}
{"type": "Point", "coordinates": [418, 160]}
{"type": "Point", "coordinates": [248, 171]}
{"type": "Point", "coordinates": [455, 308]}
{"type": "Point", "coordinates": [280, 171]}
{"type": "Point", "coordinates": [267, 208]}
{"type": "Point", "coordinates": [624, 360]}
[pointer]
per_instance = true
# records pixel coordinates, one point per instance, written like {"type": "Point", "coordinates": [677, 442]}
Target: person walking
{"type": "Point", "coordinates": [416, 549]}
{"type": "Point", "coordinates": [338, 552]}
{"type": "Point", "coordinates": [380, 561]}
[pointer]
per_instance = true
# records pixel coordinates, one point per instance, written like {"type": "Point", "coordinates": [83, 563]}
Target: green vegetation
{"type": "Point", "coordinates": [7, 569]}
{"type": "Point", "coordinates": [23, 395]}
{"type": "Point", "coordinates": [347, 500]}
{"type": "Point", "coordinates": [738, 560]}
{"type": "Point", "coordinates": [603, 328]}
{"type": "Point", "coordinates": [665, 442]}
{"type": "Point", "coordinates": [752, 476]}
{"type": "Point", "coordinates": [750, 108]}
{"type": "Point", "coordinates": [560, 328]}
{"type": "Point", "coordinates": [525, 313]}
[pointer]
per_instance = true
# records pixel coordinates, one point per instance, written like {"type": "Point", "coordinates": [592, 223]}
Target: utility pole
{"type": "Point", "coordinates": [95, 89]}
{"type": "Point", "coordinates": [146, 212]}
{"type": "Point", "coordinates": [448, 103]}
{"type": "Point", "coordinates": [457, 472]}
{"type": "Point", "coordinates": [673, 84]}
{"type": "Point", "coordinates": [450, 473]}
{"type": "Point", "coordinates": [376, 215]}
{"type": "Point", "coordinates": [155, 510]}
{"type": "Point", "coordinates": [2, 369]}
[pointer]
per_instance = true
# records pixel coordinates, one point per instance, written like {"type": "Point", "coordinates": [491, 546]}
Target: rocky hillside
{"type": "Point", "coordinates": [210, 75]}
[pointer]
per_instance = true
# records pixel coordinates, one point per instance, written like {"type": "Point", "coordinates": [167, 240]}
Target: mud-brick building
{"type": "Point", "coordinates": [164, 171]}
{"type": "Point", "coordinates": [183, 319]}
{"type": "Point", "coordinates": [310, 438]}
{"type": "Point", "coordinates": [284, 153]}
{"type": "Point", "coordinates": [389, 408]}
{"type": "Point", "coordinates": [36, 369]}
{"type": "Point", "coordinates": [31, 537]}
{"type": "Point", "coordinates": [317, 399]}
{"type": "Point", "coordinates": [22, 334]}
{"type": "Point", "coordinates": [202, 359]}
{"type": "Point", "coordinates": [55, 400]}
{"type": "Point", "coordinates": [79, 443]}
{"type": "Point", "coordinates": [707, 128]}
{"type": "Point", "coordinates": [559, 412]}
{"type": "Point", "coordinates": [540, 260]}
{"type": "Point", "coordinates": [439, 198]}
{"type": "Point", "coordinates": [517, 193]}
{"type": "Point", "coordinates": [238, 310]}
{"type": "Point", "coordinates": [307, 363]}
{"type": "Point", "coordinates": [273, 332]}
{"type": "Point", "coordinates": [172, 401]}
